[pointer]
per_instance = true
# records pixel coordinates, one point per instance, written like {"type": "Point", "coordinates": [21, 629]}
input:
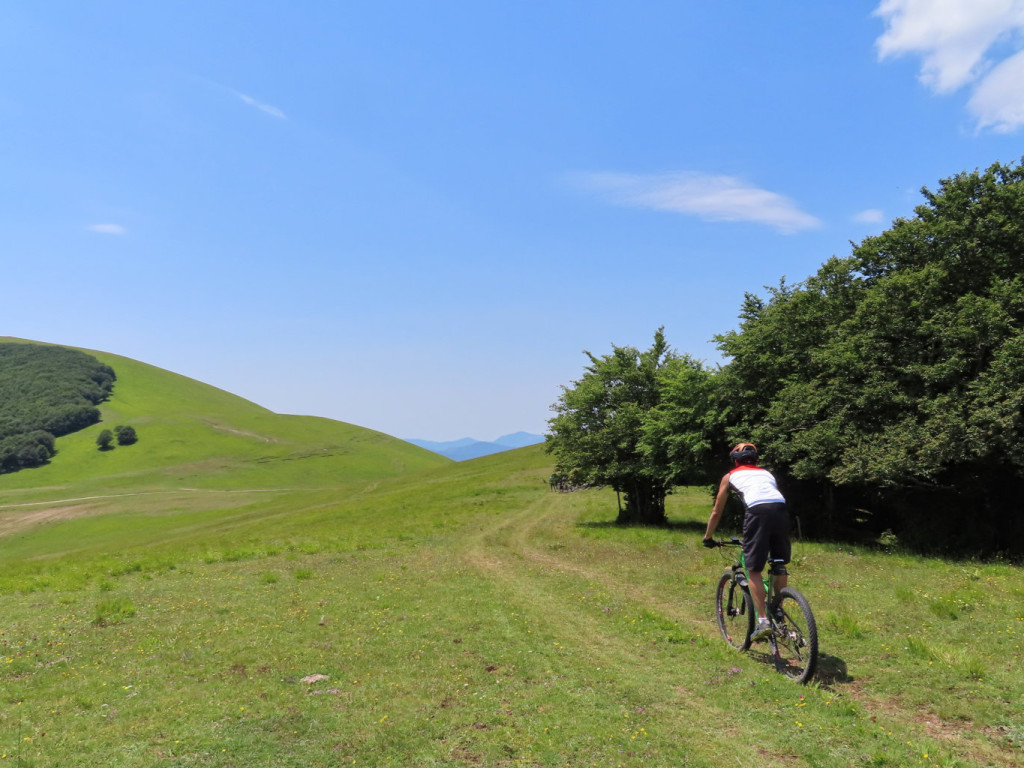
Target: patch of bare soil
{"type": "Point", "coordinates": [12, 522]}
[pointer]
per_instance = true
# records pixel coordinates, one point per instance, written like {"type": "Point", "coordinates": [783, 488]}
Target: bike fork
{"type": "Point", "coordinates": [773, 640]}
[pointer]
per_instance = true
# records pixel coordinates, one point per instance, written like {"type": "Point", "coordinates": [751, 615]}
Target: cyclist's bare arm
{"type": "Point", "coordinates": [719, 508]}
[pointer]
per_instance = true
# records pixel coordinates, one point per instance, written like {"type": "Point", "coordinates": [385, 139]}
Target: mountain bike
{"type": "Point", "coordinates": [794, 636]}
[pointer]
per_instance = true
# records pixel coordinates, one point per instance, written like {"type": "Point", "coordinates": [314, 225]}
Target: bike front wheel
{"type": "Point", "coordinates": [795, 635]}
{"type": "Point", "coordinates": [734, 610]}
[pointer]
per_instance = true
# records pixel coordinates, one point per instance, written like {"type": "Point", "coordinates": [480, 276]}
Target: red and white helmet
{"type": "Point", "coordinates": [744, 453]}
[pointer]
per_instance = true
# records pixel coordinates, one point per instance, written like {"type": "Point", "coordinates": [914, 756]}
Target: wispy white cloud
{"type": "Point", "coordinates": [963, 42]}
{"type": "Point", "coordinates": [712, 198]}
{"type": "Point", "coordinates": [268, 108]}
{"type": "Point", "coordinates": [108, 229]}
{"type": "Point", "coordinates": [870, 216]}
{"type": "Point", "coordinates": [998, 101]}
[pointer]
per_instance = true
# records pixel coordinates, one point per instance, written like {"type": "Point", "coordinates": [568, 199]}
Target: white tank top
{"type": "Point", "coordinates": [755, 486]}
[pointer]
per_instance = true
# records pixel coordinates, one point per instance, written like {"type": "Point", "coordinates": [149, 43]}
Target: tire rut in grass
{"type": "Point", "coordinates": [509, 546]}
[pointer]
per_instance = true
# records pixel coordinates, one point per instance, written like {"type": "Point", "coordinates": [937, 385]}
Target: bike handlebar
{"type": "Point", "coordinates": [733, 542]}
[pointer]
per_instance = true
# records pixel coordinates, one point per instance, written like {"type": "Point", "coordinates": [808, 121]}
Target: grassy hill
{"type": "Point", "coordinates": [392, 612]}
{"type": "Point", "coordinates": [206, 464]}
{"type": "Point", "coordinates": [190, 430]}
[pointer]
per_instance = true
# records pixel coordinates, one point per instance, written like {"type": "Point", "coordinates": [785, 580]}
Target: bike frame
{"type": "Point", "coordinates": [766, 575]}
{"type": "Point", "coordinates": [780, 631]}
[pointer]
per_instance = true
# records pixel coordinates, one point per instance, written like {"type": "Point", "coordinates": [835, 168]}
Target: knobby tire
{"type": "Point", "coordinates": [734, 610]}
{"type": "Point", "coordinates": [795, 635]}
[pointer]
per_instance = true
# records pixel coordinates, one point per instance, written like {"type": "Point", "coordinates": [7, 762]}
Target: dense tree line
{"type": "Point", "coordinates": [46, 392]}
{"type": "Point", "coordinates": [885, 390]}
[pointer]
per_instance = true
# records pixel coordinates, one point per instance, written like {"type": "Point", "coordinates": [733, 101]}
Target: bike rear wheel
{"type": "Point", "coordinates": [794, 636]}
{"type": "Point", "coordinates": [734, 610]}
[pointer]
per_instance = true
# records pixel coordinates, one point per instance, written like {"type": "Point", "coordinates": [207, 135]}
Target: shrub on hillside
{"type": "Point", "coordinates": [105, 439]}
{"type": "Point", "coordinates": [126, 435]}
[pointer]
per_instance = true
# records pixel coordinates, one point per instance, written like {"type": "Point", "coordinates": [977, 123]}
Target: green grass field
{"type": "Point", "coordinates": [246, 589]}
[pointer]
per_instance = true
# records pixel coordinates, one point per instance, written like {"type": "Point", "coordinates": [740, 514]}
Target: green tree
{"type": "Point", "coordinates": [683, 436]}
{"type": "Point", "coordinates": [890, 383]}
{"type": "Point", "coordinates": [105, 439]}
{"type": "Point", "coordinates": [126, 435]}
{"type": "Point", "coordinates": [599, 422]}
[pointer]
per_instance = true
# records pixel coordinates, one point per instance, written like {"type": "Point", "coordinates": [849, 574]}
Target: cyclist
{"type": "Point", "coordinates": [765, 524]}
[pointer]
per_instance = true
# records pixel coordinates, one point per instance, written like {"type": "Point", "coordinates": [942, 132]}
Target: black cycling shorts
{"type": "Point", "coordinates": [765, 531]}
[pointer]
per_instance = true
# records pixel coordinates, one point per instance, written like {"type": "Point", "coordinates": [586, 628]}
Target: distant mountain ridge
{"type": "Point", "coordinates": [468, 448]}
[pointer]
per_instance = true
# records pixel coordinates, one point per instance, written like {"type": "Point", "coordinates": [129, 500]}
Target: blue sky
{"type": "Point", "coordinates": [415, 216]}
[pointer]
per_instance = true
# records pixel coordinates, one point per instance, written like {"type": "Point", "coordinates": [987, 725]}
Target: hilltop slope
{"type": "Point", "coordinates": [197, 436]}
